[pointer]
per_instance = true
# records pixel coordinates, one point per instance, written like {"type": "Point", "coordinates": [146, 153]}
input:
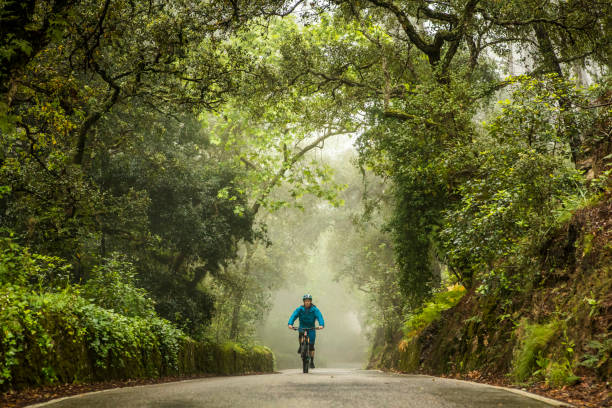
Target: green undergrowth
{"type": "Point", "coordinates": [559, 374]}
{"type": "Point", "coordinates": [598, 354]}
{"type": "Point", "coordinates": [535, 358]}
{"type": "Point", "coordinates": [432, 310]}
{"type": "Point", "coordinates": [534, 339]}
{"type": "Point", "coordinates": [407, 354]}
{"type": "Point", "coordinates": [61, 337]}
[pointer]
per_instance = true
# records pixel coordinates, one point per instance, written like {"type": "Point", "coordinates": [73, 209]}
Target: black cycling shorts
{"type": "Point", "coordinates": [312, 340]}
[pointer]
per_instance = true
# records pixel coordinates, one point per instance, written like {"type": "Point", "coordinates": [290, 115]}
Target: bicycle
{"type": "Point", "coordinates": [305, 347]}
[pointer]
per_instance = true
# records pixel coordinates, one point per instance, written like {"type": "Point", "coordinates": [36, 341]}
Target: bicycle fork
{"type": "Point", "coordinates": [306, 346]}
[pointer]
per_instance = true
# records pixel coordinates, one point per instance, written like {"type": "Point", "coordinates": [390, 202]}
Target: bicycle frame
{"type": "Point", "coordinates": [305, 345]}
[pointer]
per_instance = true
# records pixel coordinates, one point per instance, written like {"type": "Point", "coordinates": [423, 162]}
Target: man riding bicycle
{"type": "Point", "coordinates": [307, 313]}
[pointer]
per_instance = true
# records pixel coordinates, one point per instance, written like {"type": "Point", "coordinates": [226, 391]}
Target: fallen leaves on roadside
{"type": "Point", "coordinates": [588, 393]}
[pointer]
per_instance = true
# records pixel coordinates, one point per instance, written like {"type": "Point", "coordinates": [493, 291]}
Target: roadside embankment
{"type": "Point", "coordinates": [56, 338]}
{"type": "Point", "coordinates": [549, 330]}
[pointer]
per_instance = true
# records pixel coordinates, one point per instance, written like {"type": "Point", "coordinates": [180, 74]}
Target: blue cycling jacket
{"type": "Point", "coordinates": [307, 316]}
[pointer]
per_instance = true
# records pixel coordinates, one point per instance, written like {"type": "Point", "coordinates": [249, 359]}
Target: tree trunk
{"type": "Point", "coordinates": [240, 292]}
{"type": "Point", "coordinates": [235, 329]}
{"type": "Point", "coordinates": [551, 64]}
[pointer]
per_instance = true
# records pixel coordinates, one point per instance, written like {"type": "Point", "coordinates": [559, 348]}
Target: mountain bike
{"type": "Point", "coordinates": [305, 346]}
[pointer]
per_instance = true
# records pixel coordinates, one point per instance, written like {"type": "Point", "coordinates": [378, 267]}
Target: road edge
{"type": "Point", "coordinates": [553, 402]}
{"type": "Point", "coordinates": [212, 377]}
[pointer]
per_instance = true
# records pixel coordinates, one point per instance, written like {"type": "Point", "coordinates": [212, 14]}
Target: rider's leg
{"type": "Point", "coordinates": [312, 352]}
{"type": "Point", "coordinates": [313, 338]}
{"type": "Point", "coordinates": [300, 340]}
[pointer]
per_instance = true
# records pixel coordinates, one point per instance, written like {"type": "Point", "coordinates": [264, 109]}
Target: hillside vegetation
{"type": "Point", "coordinates": [554, 326]}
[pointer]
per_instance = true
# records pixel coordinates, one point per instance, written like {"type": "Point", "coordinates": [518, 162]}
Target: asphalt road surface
{"type": "Point", "coordinates": [321, 388]}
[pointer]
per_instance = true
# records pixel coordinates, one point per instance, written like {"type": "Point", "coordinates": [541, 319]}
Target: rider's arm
{"type": "Point", "coordinates": [319, 317]}
{"type": "Point", "coordinates": [294, 316]}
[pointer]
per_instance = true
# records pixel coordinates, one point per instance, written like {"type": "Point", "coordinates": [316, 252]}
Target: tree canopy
{"type": "Point", "coordinates": [159, 136]}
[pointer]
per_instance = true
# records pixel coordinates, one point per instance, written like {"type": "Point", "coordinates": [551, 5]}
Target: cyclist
{"type": "Point", "coordinates": [307, 313]}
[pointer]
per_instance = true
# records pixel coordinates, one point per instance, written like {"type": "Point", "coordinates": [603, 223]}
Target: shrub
{"type": "Point", "coordinates": [112, 285]}
{"type": "Point", "coordinates": [23, 337]}
{"type": "Point", "coordinates": [599, 356]}
{"type": "Point", "coordinates": [63, 337]}
{"type": "Point", "coordinates": [105, 330]}
{"type": "Point", "coordinates": [560, 374]}
{"type": "Point", "coordinates": [20, 267]}
{"type": "Point", "coordinates": [432, 310]}
{"type": "Point", "coordinates": [533, 341]}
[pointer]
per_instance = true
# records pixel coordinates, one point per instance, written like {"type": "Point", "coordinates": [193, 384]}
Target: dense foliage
{"type": "Point", "coordinates": [101, 150]}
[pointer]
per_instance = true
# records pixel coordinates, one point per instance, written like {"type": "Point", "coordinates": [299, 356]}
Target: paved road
{"type": "Point", "coordinates": [321, 388]}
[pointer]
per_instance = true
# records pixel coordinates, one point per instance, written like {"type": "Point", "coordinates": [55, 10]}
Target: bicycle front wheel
{"type": "Point", "coordinates": [305, 356]}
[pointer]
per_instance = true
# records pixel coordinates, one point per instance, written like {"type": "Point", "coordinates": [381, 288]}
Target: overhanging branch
{"type": "Point", "coordinates": [288, 163]}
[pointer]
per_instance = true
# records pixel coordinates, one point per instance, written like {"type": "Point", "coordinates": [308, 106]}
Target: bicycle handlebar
{"type": "Point", "coordinates": [305, 328]}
